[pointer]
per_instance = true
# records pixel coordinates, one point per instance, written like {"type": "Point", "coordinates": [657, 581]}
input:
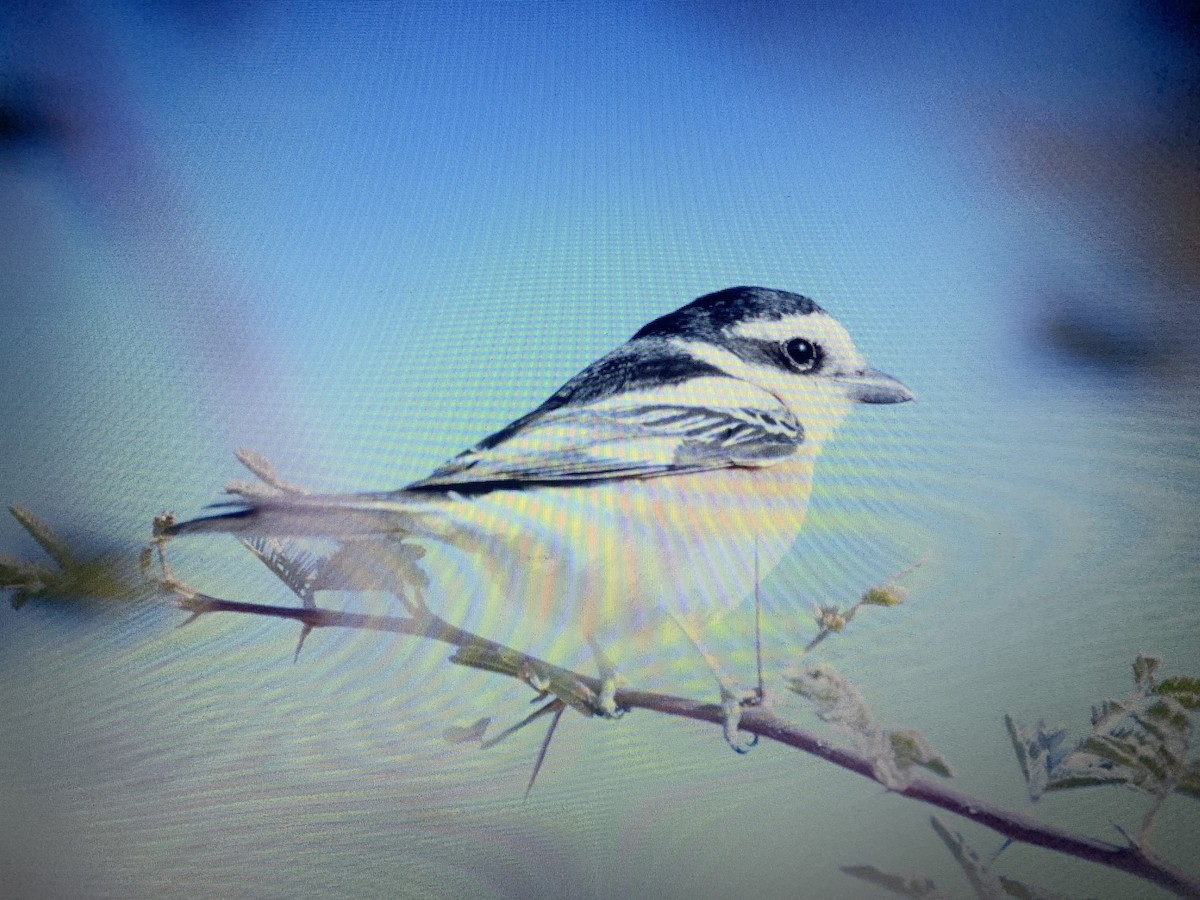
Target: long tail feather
{"type": "Point", "coordinates": [331, 515]}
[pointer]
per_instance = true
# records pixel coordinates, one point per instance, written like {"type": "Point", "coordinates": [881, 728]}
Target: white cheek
{"type": "Point", "coordinates": [818, 404]}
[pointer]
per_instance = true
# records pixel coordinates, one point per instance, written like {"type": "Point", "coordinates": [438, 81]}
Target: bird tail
{"type": "Point", "coordinates": [311, 515]}
{"type": "Point", "coordinates": [273, 507]}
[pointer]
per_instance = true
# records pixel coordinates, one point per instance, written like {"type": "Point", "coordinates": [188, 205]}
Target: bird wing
{"type": "Point", "coordinates": [639, 437]}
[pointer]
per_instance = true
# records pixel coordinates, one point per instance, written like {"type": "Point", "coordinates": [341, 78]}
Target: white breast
{"type": "Point", "coordinates": [544, 568]}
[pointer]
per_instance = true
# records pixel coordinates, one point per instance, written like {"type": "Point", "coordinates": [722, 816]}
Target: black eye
{"type": "Point", "coordinates": [803, 355]}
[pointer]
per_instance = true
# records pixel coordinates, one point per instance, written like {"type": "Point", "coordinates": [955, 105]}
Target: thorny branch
{"type": "Point", "coordinates": [1106, 757]}
{"type": "Point", "coordinates": [580, 691]}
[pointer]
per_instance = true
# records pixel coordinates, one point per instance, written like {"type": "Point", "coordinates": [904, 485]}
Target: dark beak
{"type": "Point", "coordinates": [870, 386]}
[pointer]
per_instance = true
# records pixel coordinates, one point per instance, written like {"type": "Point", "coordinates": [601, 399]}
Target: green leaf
{"type": "Point", "coordinates": [464, 734]}
{"type": "Point", "coordinates": [16, 573]}
{"type": "Point", "coordinates": [915, 886]}
{"type": "Point", "coordinates": [262, 467]}
{"type": "Point", "coordinates": [1144, 668]}
{"type": "Point", "coordinates": [42, 533]}
{"type": "Point", "coordinates": [911, 748]}
{"type": "Point", "coordinates": [983, 881]}
{"type": "Point", "coordinates": [888, 595]}
{"type": "Point", "coordinates": [1023, 891]}
{"type": "Point", "coordinates": [1189, 781]}
{"type": "Point", "coordinates": [105, 578]}
{"type": "Point", "coordinates": [102, 578]}
{"type": "Point", "coordinates": [892, 752]}
{"type": "Point", "coordinates": [295, 568]}
{"type": "Point", "coordinates": [837, 701]}
{"type": "Point", "coordinates": [375, 565]}
{"type": "Point", "coordinates": [1184, 690]}
{"type": "Point", "coordinates": [1039, 752]}
{"type": "Point", "coordinates": [1142, 741]}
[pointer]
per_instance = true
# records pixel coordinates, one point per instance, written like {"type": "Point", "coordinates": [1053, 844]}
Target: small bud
{"type": "Point", "coordinates": [829, 618]}
{"type": "Point", "coordinates": [163, 522]}
{"type": "Point", "coordinates": [884, 595]}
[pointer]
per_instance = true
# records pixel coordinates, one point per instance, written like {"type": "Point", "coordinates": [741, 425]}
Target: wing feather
{"type": "Point", "coordinates": [642, 439]}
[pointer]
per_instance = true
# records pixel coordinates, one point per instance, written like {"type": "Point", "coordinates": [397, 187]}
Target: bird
{"type": "Point", "coordinates": [640, 500]}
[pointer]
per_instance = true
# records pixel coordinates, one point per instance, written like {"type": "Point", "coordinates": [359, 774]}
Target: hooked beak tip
{"type": "Point", "coordinates": [871, 386]}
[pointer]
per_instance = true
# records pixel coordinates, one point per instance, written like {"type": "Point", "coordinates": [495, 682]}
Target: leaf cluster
{"type": "Point", "coordinates": [1144, 741]}
{"type": "Point", "coordinates": [893, 752]}
{"type": "Point", "coordinates": [66, 576]}
{"type": "Point", "coordinates": [985, 883]}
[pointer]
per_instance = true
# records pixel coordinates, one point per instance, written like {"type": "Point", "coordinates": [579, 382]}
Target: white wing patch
{"type": "Point", "coordinates": [642, 437]}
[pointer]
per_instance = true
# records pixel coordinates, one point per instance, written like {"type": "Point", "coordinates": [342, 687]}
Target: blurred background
{"type": "Point", "coordinates": [358, 237]}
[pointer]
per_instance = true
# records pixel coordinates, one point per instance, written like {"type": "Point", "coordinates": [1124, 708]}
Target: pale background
{"type": "Point", "coordinates": [357, 238]}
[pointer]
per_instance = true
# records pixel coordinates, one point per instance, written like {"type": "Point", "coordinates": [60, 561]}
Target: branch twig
{"type": "Point", "coordinates": [483, 653]}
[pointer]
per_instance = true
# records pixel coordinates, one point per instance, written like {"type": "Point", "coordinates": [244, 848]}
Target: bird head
{"type": "Point", "coordinates": [783, 343]}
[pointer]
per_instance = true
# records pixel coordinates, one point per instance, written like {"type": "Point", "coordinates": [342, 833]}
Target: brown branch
{"type": "Point", "coordinates": [481, 653]}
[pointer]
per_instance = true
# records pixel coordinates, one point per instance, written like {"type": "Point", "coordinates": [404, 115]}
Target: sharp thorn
{"type": "Point", "coordinates": [541, 757]}
{"type": "Point", "coordinates": [552, 706]}
{"type": "Point", "coordinates": [1008, 842]}
{"type": "Point", "coordinates": [305, 631]}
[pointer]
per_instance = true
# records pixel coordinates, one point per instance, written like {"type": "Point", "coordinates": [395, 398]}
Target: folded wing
{"type": "Point", "coordinates": [642, 439]}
